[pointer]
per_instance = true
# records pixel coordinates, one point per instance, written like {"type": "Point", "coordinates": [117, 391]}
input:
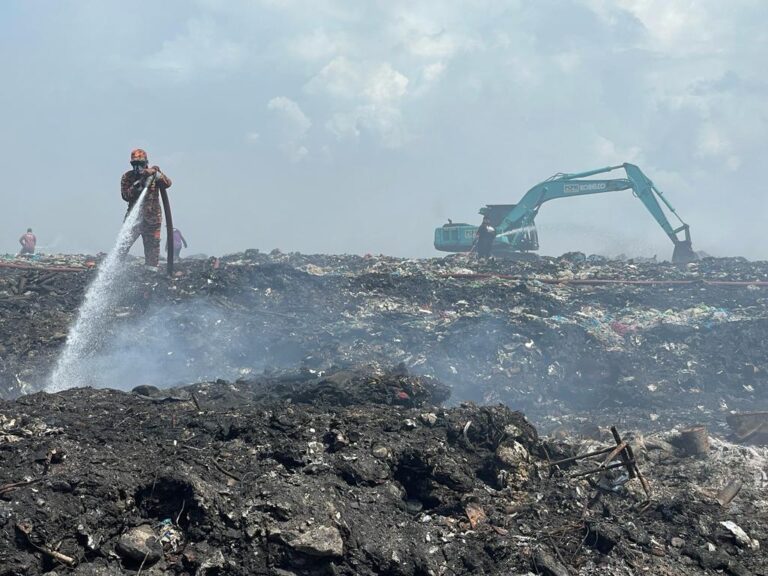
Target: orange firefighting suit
{"type": "Point", "coordinates": [151, 219]}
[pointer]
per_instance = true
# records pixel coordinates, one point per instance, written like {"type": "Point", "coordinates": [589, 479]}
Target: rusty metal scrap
{"type": "Point", "coordinates": [623, 451]}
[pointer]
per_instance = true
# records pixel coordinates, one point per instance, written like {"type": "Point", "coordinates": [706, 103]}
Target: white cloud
{"type": "Point", "coordinates": [733, 163]}
{"type": "Point", "coordinates": [200, 48]}
{"type": "Point", "coordinates": [355, 80]}
{"type": "Point", "coordinates": [383, 121]}
{"type": "Point", "coordinates": [317, 45]}
{"type": "Point", "coordinates": [344, 125]}
{"type": "Point", "coordinates": [713, 144]}
{"type": "Point", "coordinates": [435, 31]}
{"type": "Point", "coordinates": [441, 45]}
{"type": "Point", "coordinates": [429, 76]}
{"type": "Point", "coordinates": [371, 96]}
{"type": "Point", "coordinates": [294, 126]}
{"type": "Point", "coordinates": [568, 62]}
{"type": "Point", "coordinates": [340, 78]}
{"type": "Point", "coordinates": [291, 111]}
{"type": "Point", "coordinates": [608, 152]}
{"type": "Point", "coordinates": [680, 26]}
{"type": "Point", "coordinates": [385, 84]}
{"type": "Point", "coordinates": [433, 72]}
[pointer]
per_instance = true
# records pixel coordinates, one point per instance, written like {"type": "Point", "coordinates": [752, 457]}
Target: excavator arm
{"type": "Point", "coordinates": [649, 195]}
{"type": "Point", "coordinates": [520, 217]}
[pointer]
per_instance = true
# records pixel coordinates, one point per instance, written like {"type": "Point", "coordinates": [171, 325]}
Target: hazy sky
{"type": "Point", "coordinates": [330, 126]}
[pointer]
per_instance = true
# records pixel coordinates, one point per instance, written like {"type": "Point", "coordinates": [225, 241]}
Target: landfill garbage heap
{"type": "Point", "coordinates": [289, 414]}
{"type": "Point", "coordinates": [536, 336]}
{"type": "Point", "coordinates": [357, 472]}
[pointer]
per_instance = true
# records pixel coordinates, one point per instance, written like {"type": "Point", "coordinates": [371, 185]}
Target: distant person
{"type": "Point", "coordinates": [132, 184]}
{"type": "Point", "coordinates": [28, 243]}
{"type": "Point", "coordinates": [484, 238]}
{"type": "Point", "coordinates": [178, 242]}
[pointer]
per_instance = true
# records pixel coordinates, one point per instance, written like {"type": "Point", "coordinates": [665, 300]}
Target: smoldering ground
{"type": "Point", "coordinates": [511, 333]}
{"type": "Point", "coordinates": [167, 345]}
{"type": "Point", "coordinates": [543, 348]}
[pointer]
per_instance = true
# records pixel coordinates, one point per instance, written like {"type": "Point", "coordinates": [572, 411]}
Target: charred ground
{"type": "Point", "coordinates": [327, 446]}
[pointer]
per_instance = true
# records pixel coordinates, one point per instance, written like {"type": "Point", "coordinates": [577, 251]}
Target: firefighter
{"type": "Point", "coordinates": [484, 238]}
{"type": "Point", "coordinates": [150, 220]}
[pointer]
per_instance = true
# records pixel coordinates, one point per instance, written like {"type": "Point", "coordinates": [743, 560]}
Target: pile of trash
{"type": "Point", "coordinates": [50, 262]}
{"type": "Point", "coordinates": [298, 473]}
{"type": "Point", "coordinates": [316, 414]}
{"type": "Point", "coordinates": [529, 334]}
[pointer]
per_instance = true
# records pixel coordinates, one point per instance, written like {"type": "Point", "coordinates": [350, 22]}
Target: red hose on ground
{"type": "Point", "coordinates": [608, 281]}
{"type": "Point", "coordinates": [21, 266]}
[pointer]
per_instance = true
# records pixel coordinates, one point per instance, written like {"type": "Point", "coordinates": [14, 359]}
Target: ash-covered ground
{"type": "Point", "coordinates": [364, 415]}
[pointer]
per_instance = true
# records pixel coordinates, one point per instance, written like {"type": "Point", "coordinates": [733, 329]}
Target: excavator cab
{"type": "Point", "coordinates": [455, 237]}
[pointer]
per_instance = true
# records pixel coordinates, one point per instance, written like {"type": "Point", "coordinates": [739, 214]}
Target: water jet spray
{"type": "Point", "coordinates": [93, 316]}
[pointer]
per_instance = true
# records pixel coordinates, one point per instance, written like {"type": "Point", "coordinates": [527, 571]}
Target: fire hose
{"type": "Point", "coordinates": [169, 244]}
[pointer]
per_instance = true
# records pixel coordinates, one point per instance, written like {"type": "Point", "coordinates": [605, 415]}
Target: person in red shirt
{"type": "Point", "coordinates": [28, 243]}
{"type": "Point", "coordinates": [131, 185]}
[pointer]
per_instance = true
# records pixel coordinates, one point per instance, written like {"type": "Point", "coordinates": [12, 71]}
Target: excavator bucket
{"type": "Point", "coordinates": [683, 253]}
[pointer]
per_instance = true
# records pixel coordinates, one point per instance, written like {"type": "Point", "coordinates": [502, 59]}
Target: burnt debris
{"type": "Point", "coordinates": [289, 414]}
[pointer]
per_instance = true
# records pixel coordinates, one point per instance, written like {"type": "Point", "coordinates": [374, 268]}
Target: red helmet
{"type": "Point", "coordinates": [138, 155]}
